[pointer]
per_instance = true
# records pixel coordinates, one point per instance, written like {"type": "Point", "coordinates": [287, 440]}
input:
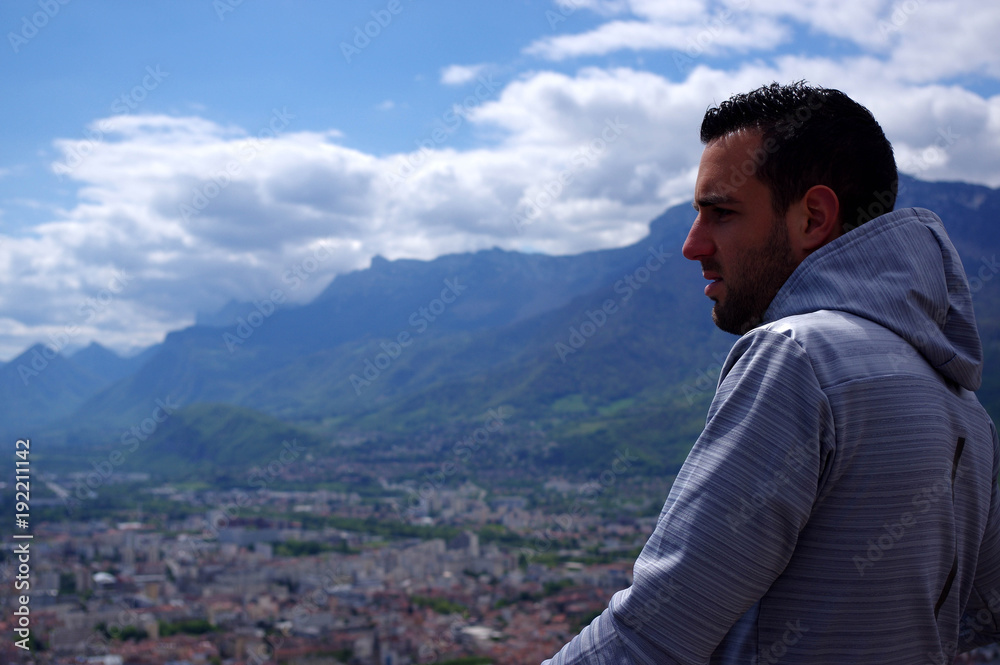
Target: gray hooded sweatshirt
{"type": "Point", "coordinates": [841, 504]}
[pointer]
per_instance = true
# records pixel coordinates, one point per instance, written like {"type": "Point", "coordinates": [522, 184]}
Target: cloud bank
{"type": "Point", "coordinates": [178, 214]}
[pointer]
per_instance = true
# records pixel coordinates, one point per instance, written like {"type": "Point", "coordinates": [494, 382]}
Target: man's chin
{"type": "Point", "coordinates": [735, 325]}
{"type": "Point", "coordinates": [717, 319]}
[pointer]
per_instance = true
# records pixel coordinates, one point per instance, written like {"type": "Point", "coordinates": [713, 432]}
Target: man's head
{"type": "Point", "coordinates": [786, 169]}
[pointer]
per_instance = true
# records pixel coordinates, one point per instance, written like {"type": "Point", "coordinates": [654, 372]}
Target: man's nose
{"type": "Point", "coordinates": [698, 244]}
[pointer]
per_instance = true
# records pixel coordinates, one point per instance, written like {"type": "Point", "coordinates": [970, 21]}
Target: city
{"type": "Point", "coordinates": [135, 574]}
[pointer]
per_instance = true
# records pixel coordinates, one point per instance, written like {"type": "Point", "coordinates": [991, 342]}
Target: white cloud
{"type": "Point", "coordinates": [692, 26]}
{"type": "Point", "coordinates": [938, 132]}
{"type": "Point", "coordinates": [855, 21]}
{"type": "Point", "coordinates": [691, 38]}
{"type": "Point", "coordinates": [578, 162]}
{"type": "Point", "coordinates": [157, 202]}
{"type": "Point", "coordinates": [461, 74]}
{"type": "Point", "coordinates": [602, 7]}
{"type": "Point", "coordinates": [938, 40]}
{"type": "Point", "coordinates": [920, 40]}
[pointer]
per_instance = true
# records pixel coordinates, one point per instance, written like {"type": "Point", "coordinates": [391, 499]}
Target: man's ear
{"type": "Point", "coordinates": [817, 220]}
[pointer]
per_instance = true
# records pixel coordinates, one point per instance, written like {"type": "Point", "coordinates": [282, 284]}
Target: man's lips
{"type": "Point", "coordinates": [716, 284]}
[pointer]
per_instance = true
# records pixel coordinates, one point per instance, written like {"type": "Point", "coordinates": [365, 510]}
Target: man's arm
{"type": "Point", "coordinates": [733, 516]}
{"type": "Point", "coordinates": [981, 622]}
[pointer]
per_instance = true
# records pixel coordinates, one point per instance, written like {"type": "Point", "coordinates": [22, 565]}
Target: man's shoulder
{"type": "Point", "coordinates": [843, 347]}
{"type": "Point", "coordinates": [827, 326]}
{"type": "Point", "coordinates": [816, 332]}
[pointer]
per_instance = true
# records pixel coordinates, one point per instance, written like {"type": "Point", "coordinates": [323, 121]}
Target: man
{"type": "Point", "coordinates": [841, 504]}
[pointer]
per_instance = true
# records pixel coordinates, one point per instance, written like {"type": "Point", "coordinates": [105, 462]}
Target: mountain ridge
{"type": "Point", "coordinates": [604, 346]}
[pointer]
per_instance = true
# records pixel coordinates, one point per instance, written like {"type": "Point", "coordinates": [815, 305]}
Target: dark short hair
{"type": "Point", "coordinates": [815, 136]}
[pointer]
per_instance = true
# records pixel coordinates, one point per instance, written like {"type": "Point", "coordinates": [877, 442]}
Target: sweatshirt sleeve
{"type": "Point", "coordinates": [733, 516]}
{"type": "Point", "coordinates": [980, 623]}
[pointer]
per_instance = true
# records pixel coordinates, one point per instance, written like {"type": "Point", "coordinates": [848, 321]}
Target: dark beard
{"type": "Point", "coordinates": [765, 271]}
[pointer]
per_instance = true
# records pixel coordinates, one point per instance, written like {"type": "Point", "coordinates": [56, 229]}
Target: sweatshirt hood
{"type": "Point", "coordinates": [899, 270]}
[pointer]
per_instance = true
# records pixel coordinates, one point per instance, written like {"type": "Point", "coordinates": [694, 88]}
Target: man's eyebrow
{"type": "Point", "coordinates": [712, 200]}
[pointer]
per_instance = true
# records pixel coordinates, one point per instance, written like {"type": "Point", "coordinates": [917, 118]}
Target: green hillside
{"type": "Point", "coordinates": [216, 442]}
{"type": "Point", "coordinates": [587, 354]}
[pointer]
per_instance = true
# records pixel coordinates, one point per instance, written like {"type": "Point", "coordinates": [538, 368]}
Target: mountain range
{"type": "Point", "coordinates": [584, 354]}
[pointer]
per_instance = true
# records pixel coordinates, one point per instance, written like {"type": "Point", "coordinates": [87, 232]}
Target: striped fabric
{"type": "Point", "coordinates": [841, 504]}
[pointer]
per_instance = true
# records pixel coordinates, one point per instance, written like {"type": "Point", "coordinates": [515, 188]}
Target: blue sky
{"type": "Point", "coordinates": [163, 158]}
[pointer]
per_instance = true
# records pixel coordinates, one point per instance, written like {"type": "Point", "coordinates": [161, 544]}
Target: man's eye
{"type": "Point", "coordinates": [722, 212]}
